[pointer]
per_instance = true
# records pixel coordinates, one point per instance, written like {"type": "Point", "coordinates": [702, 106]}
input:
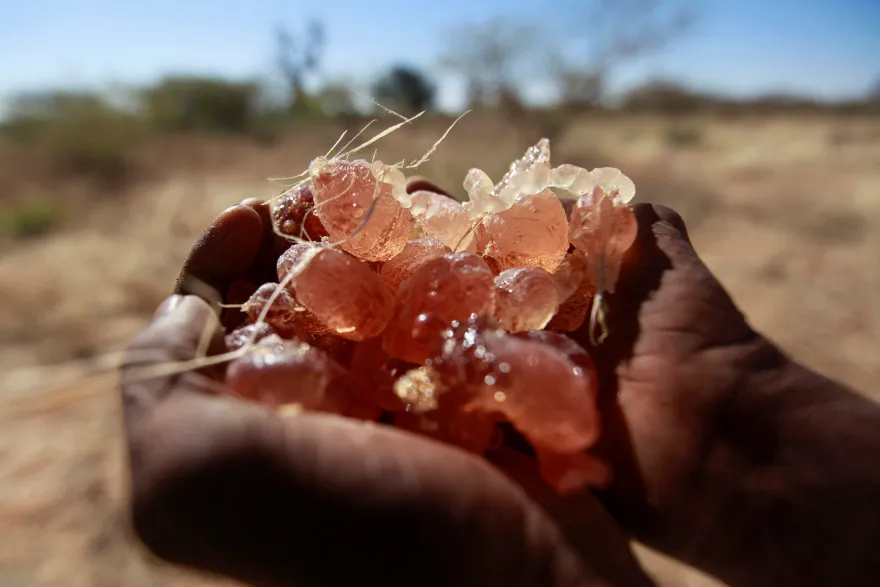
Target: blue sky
{"type": "Point", "coordinates": [826, 48]}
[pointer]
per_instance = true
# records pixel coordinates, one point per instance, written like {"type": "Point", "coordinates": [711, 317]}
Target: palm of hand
{"type": "Point", "coordinates": [675, 356]}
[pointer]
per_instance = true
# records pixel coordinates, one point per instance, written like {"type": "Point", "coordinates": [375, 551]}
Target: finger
{"type": "Point", "coordinates": [168, 305]}
{"type": "Point", "coordinates": [176, 328]}
{"type": "Point", "coordinates": [667, 309]}
{"type": "Point", "coordinates": [415, 184]}
{"type": "Point", "coordinates": [586, 525]}
{"type": "Point", "coordinates": [662, 284]}
{"type": "Point", "coordinates": [692, 298]}
{"type": "Point", "coordinates": [667, 215]}
{"type": "Point", "coordinates": [222, 254]}
{"type": "Point", "coordinates": [394, 509]}
{"type": "Point", "coordinates": [237, 294]}
{"type": "Point", "coordinates": [263, 269]}
{"type": "Point", "coordinates": [641, 269]}
{"type": "Point", "coordinates": [150, 370]}
{"type": "Point", "coordinates": [658, 225]}
{"type": "Point", "coordinates": [660, 239]}
{"type": "Point", "coordinates": [231, 488]}
{"type": "Point", "coordinates": [661, 242]}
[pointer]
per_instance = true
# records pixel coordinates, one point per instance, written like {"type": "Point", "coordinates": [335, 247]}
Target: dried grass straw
{"type": "Point", "coordinates": [39, 387]}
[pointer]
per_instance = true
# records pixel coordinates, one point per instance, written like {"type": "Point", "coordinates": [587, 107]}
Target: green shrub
{"type": "Point", "coordinates": [29, 219]}
{"type": "Point", "coordinates": [81, 132]}
{"type": "Point", "coordinates": [197, 104]}
{"type": "Point", "coordinates": [269, 126]}
{"type": "Point", "coordinates": [665, 97]}
{"type": "Point", "coordinates": [683, 135]}
{"type": "Point", "coordinates": [405, 90]}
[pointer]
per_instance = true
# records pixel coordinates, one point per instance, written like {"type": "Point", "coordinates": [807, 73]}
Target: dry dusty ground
{"type": "Point", "coordinates": [785, 211]}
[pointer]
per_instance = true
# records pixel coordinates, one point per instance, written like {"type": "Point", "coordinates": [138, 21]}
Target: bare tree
{"type": "Point", "coordinates": [405, 89]}
{"type": "Point", "coordinates": [495, 58]}
{"type": "Point", "coordinates": [607, 34]}
{"type": "Point", "coordinates": [874, 92]}
{"type": "Point", "coordinates": [612, 32]}
{"type": "Point", "coordinates": [492, 58]}
{"type": "Point", "coordinates": [298, 57]}
{"type": "Point", "coordinates": [498, 58]}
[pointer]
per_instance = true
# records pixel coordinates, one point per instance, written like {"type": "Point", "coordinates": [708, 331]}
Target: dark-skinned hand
{"type": "Point", "coordinates": [313, 499]}
{"type": "Point", "coordinates": [697, 409]}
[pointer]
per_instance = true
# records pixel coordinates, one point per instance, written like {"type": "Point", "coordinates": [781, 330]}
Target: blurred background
{"type": "Point", "coordinates": [125, 128]}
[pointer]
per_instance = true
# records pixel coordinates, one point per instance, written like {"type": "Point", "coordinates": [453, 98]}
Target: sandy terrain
{"type": "Point", "coordinates": [785, 211]}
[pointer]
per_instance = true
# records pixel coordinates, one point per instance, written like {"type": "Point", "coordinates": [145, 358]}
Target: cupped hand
{"type": "Point", "coordinates": [313, 499]}
{"type": "Point", "coordinates": [677, 351]}
{"type": "Point", "coordinates": [726, 453]}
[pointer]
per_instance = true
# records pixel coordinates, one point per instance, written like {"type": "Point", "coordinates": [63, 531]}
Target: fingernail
{"type": "Point", "coordinates": [417, 184]}
{"type": "Point", "coordinates": [168, 305]}
{"type": "Point", "coordinates": [227, 211]}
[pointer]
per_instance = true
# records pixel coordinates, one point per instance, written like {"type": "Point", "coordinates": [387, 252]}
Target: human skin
{"type": "Point", "coordinates": [726, 454]}
{"type": "Point", "coordinates": [236, 489]}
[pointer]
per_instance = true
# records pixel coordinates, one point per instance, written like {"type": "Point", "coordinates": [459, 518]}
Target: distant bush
{"type": "Point", "coordinates": [581, 90]}
{"type": "Point", "coordinates": [199, 104]}
{"type": "Point", "coordinates": [683, 135]}
{"type": "Point", "coordinates": [269, 126]}
{"type": "Point", "coordinates": [664, 97]}
{"type": "Point", "coordinates": [29, 219]}
{"type": "Point", "coordinates": [307, 108]}
{"type": "Point", "coordinates": [405, 90]}
{"type": "Point", "coordinates": [81, 132]}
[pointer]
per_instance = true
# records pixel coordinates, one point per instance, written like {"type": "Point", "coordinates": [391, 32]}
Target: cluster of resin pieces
{"type": "Point", "coordinates": [443, 318]}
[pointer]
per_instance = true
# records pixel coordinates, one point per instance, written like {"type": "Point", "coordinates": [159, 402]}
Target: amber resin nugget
{"type": "Point", "coordinates": [444, 318]}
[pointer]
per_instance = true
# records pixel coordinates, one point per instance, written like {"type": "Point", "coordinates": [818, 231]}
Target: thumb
{"type": "Point", "coordinates": [223, 253]}
{"type": "Point", "coordinates": [661, 243]}
{"type": "Point", "coordinates": [418, 184]}
{"type": "Point", "coordinates": [671, 219]}
{"type": "Point", "coordinates": [662, 240]}
{"type": "Point", "coordinates": [584, 522]}
{"type": "Point", "coordinates": [180, 324]}
{"type": "Point", "coordinates": [157, 357]}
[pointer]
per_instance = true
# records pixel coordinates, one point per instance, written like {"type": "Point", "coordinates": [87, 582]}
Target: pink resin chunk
{"type": "Point", "coordinates": [526, 299]}
{"type": "Point", "coordinates": [348, 396]}
{"type": "Point", "coordinates": [572, 351]}
{"type": "Point", "coordinates": [378, 372]}
{"type": "Point", "coordinates": [603, 231]}
{"type": "Point", "coordinates": [293, 214]}
{"type": "Point", "coordinates": [277, 372]}
{"type": "Point", "coordinates": [533, 232]}
{"type": "Point", "coordinates": [578, 289]}
{"type": "Point", "coordinates": [340, 291]}
{"type": "Point", "coordinates": [440, 217]}
{"type": "Point", "coordinates": [415, 254]}
{"type": "Point", "coordinates": [364, 219]}
{"type": "Point", "coordinates": [451, 287]}
{"type": "Point", "coordinates": [284, 316]}
{"type": "Point", "coordinates": [570, 473]}
{"type": "Point", "coordinates": [535, 386]}
{"type": "Point", "coordinates": [470, 430]}
{"type": "Point", "coordinates": [240, 337]}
